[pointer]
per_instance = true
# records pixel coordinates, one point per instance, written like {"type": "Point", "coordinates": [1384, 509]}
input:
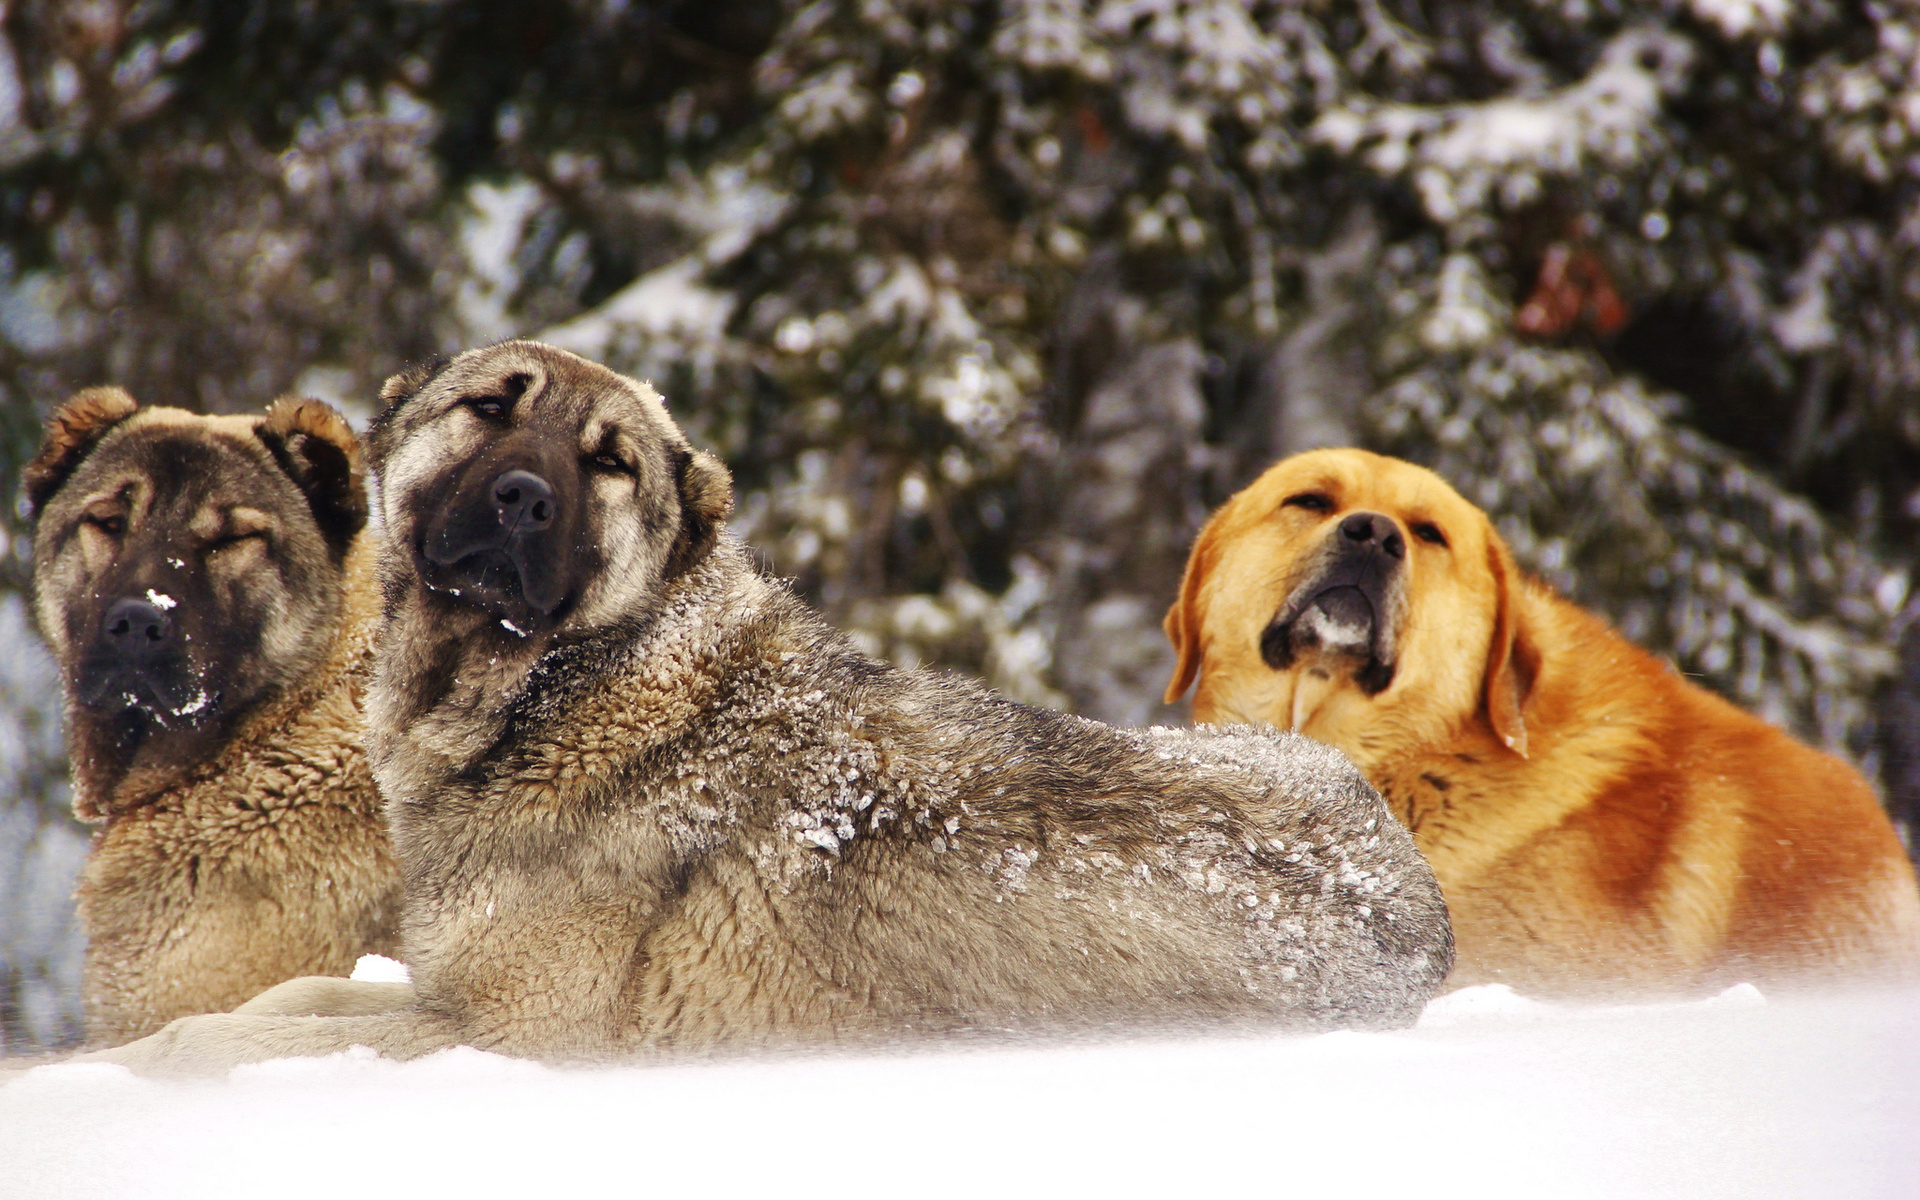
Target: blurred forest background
{"type": "Point", "coordinates": [988, 301]}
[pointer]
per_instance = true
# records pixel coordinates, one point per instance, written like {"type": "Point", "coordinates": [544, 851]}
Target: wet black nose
{"type": "Point", "coordinates": [523, 500]}
{"type": "Point", "coordinates": [137, 628]}
{"type": "Point", "coordinates": [1372, 527]}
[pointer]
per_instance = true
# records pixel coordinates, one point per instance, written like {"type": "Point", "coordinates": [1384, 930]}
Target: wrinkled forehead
{"type": "Point", "coordinates": [160, 463]}
{"type": "Point", "coordinates": [551, 388]}
{"type": "Point", "coordinates": [1357, 480]}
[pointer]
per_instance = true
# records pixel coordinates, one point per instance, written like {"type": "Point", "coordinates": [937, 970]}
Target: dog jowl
{"type": "Point", "coordinates": [187, 568]}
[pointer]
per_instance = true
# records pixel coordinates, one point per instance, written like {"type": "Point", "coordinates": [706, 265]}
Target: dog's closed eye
{"type": "Point", "coordinates": [1313, 501]}
{"type": "Point", "coordinates": [1426, 531]}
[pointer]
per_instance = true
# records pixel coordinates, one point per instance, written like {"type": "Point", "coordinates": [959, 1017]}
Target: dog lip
{"type": "Point", "coordinates": [116, 687]}
{"type": "Point", "coordinates": [1344, 596]}
{"type": "Point", "coordinates": [1338, 606]}
{"type": "Point", "coordinates": [1373, 675]}
{"type": "Point", "coordinates": [1343, 576]}
{"type": "Point", "coordinates": [1357, 577]}
{"type": "Point", "coordinates": [492, 580]}
{"type": "Point", "coordinates": [489, 556]}
{"type": "Point", "coordinates": [443, 549]}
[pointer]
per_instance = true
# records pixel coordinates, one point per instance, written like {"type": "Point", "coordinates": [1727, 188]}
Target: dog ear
{"type": "Point", "coordinates": [318, 450]}
{"type": "Point", "coordinates": [394, 394]}
{"type": "Point", "coordinates": [74, 429]}
{"type": "Point", "coordinates": [706, 497]}
{"type": "Point", "coordinates": [1185, 617]}
{"type": "Point", "coordinates": [404, 385]}
{"type": "Point", "coordinates": [1513, 662]}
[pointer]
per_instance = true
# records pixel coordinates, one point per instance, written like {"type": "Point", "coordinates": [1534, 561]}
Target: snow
{"type": "Point", "coordinates": [1736, 18]}
{"type": "Point", "coordinates": [1458, 154]}
{"type": "Point", "coordinates": [1467, 313]}
{"type": "Point", "coordinates": [1492, 1095]}
{"type": "Point", "coordinates": [378, 968]}
{"type": "Point", "coordinates": [669, 300]}
{"type": "Point", "coordinates": [489, 233]}
{"type": "Point", "coordinates": [1806, 325]}
{"type": "Point", "coordinates": [673, 300]}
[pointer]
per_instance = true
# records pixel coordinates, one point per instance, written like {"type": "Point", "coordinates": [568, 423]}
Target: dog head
{"type": "Point", "coordinates": [537, 491]}
{"type": "Point", "coordinates": [1355, 598]}
{"type": "Point", "coordinates": [186, 567]}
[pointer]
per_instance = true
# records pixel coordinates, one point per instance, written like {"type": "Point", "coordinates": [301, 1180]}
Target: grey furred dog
{"type": "Point", "coordinates": [648, 803]}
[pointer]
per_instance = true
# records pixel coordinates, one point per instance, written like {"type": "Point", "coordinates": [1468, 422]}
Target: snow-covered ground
{"type": "Point", "coordinates": [1491, 1096]}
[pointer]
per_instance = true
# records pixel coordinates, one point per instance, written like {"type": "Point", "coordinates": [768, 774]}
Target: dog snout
{"type": "Point", "coordinates": [1364, 527]}
{"type": "Point", "coordinates": [136, 659]}
{"type": "Point", "coordinates": [523, 501]}
{"type": "Point", "coordinates": [503, 541]}
{"type": "Point", "coordinates": [137, 628]}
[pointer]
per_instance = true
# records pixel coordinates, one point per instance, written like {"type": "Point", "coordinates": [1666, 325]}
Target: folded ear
{"type": "Point", "coordinates": [74, 429]}
{"type": "Point", "coordinates": [706, 497]}
{"type": "Point", "coordinates": [401, 386]}
{"type": "Point", "coordinates": [318, 450]}
{"type": "Point", "coordinates": [394, 393]}
{"type": "Point", "coordinates": [1188, 614]}
{"type": "Point", "coordinates": [1513, 660]}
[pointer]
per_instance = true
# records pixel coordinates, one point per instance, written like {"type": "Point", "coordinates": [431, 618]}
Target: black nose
{"type": "Point", "coordinates": [1372, 527]}
{"type": "Point", "coordinates": [523, 501]}
{"type": "Point", "coordinates": [137, 628]}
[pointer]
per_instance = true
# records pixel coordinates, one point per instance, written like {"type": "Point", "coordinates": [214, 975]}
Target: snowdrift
{"type": "Point", "coordinates": [1492, 1095]}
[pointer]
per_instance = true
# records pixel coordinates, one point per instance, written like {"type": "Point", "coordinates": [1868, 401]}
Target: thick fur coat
{"type": "Point", "coordinates": [1598, 823]}
{"type": "Point", "coordinates": [207, 590]}
{"type": "Point", "coordinates": [649, 803]}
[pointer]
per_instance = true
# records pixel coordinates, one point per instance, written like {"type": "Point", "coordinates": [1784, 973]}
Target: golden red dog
{"type": "Point", "coordinates": [1597, 823]}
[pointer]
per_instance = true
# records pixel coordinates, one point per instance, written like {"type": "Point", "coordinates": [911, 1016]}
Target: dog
{"type": "Point", "coordinates": [650, 804]}
{"type": "Point", "coordinates": [205, 586]}
{"type": "Point", "coordinates": [1598, 824]}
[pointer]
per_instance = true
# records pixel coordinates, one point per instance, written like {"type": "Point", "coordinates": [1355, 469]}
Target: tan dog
{"type": "Point", "coordinates": [207, 587]}
{"type": "Point", "coordinates": [1597, 822]}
